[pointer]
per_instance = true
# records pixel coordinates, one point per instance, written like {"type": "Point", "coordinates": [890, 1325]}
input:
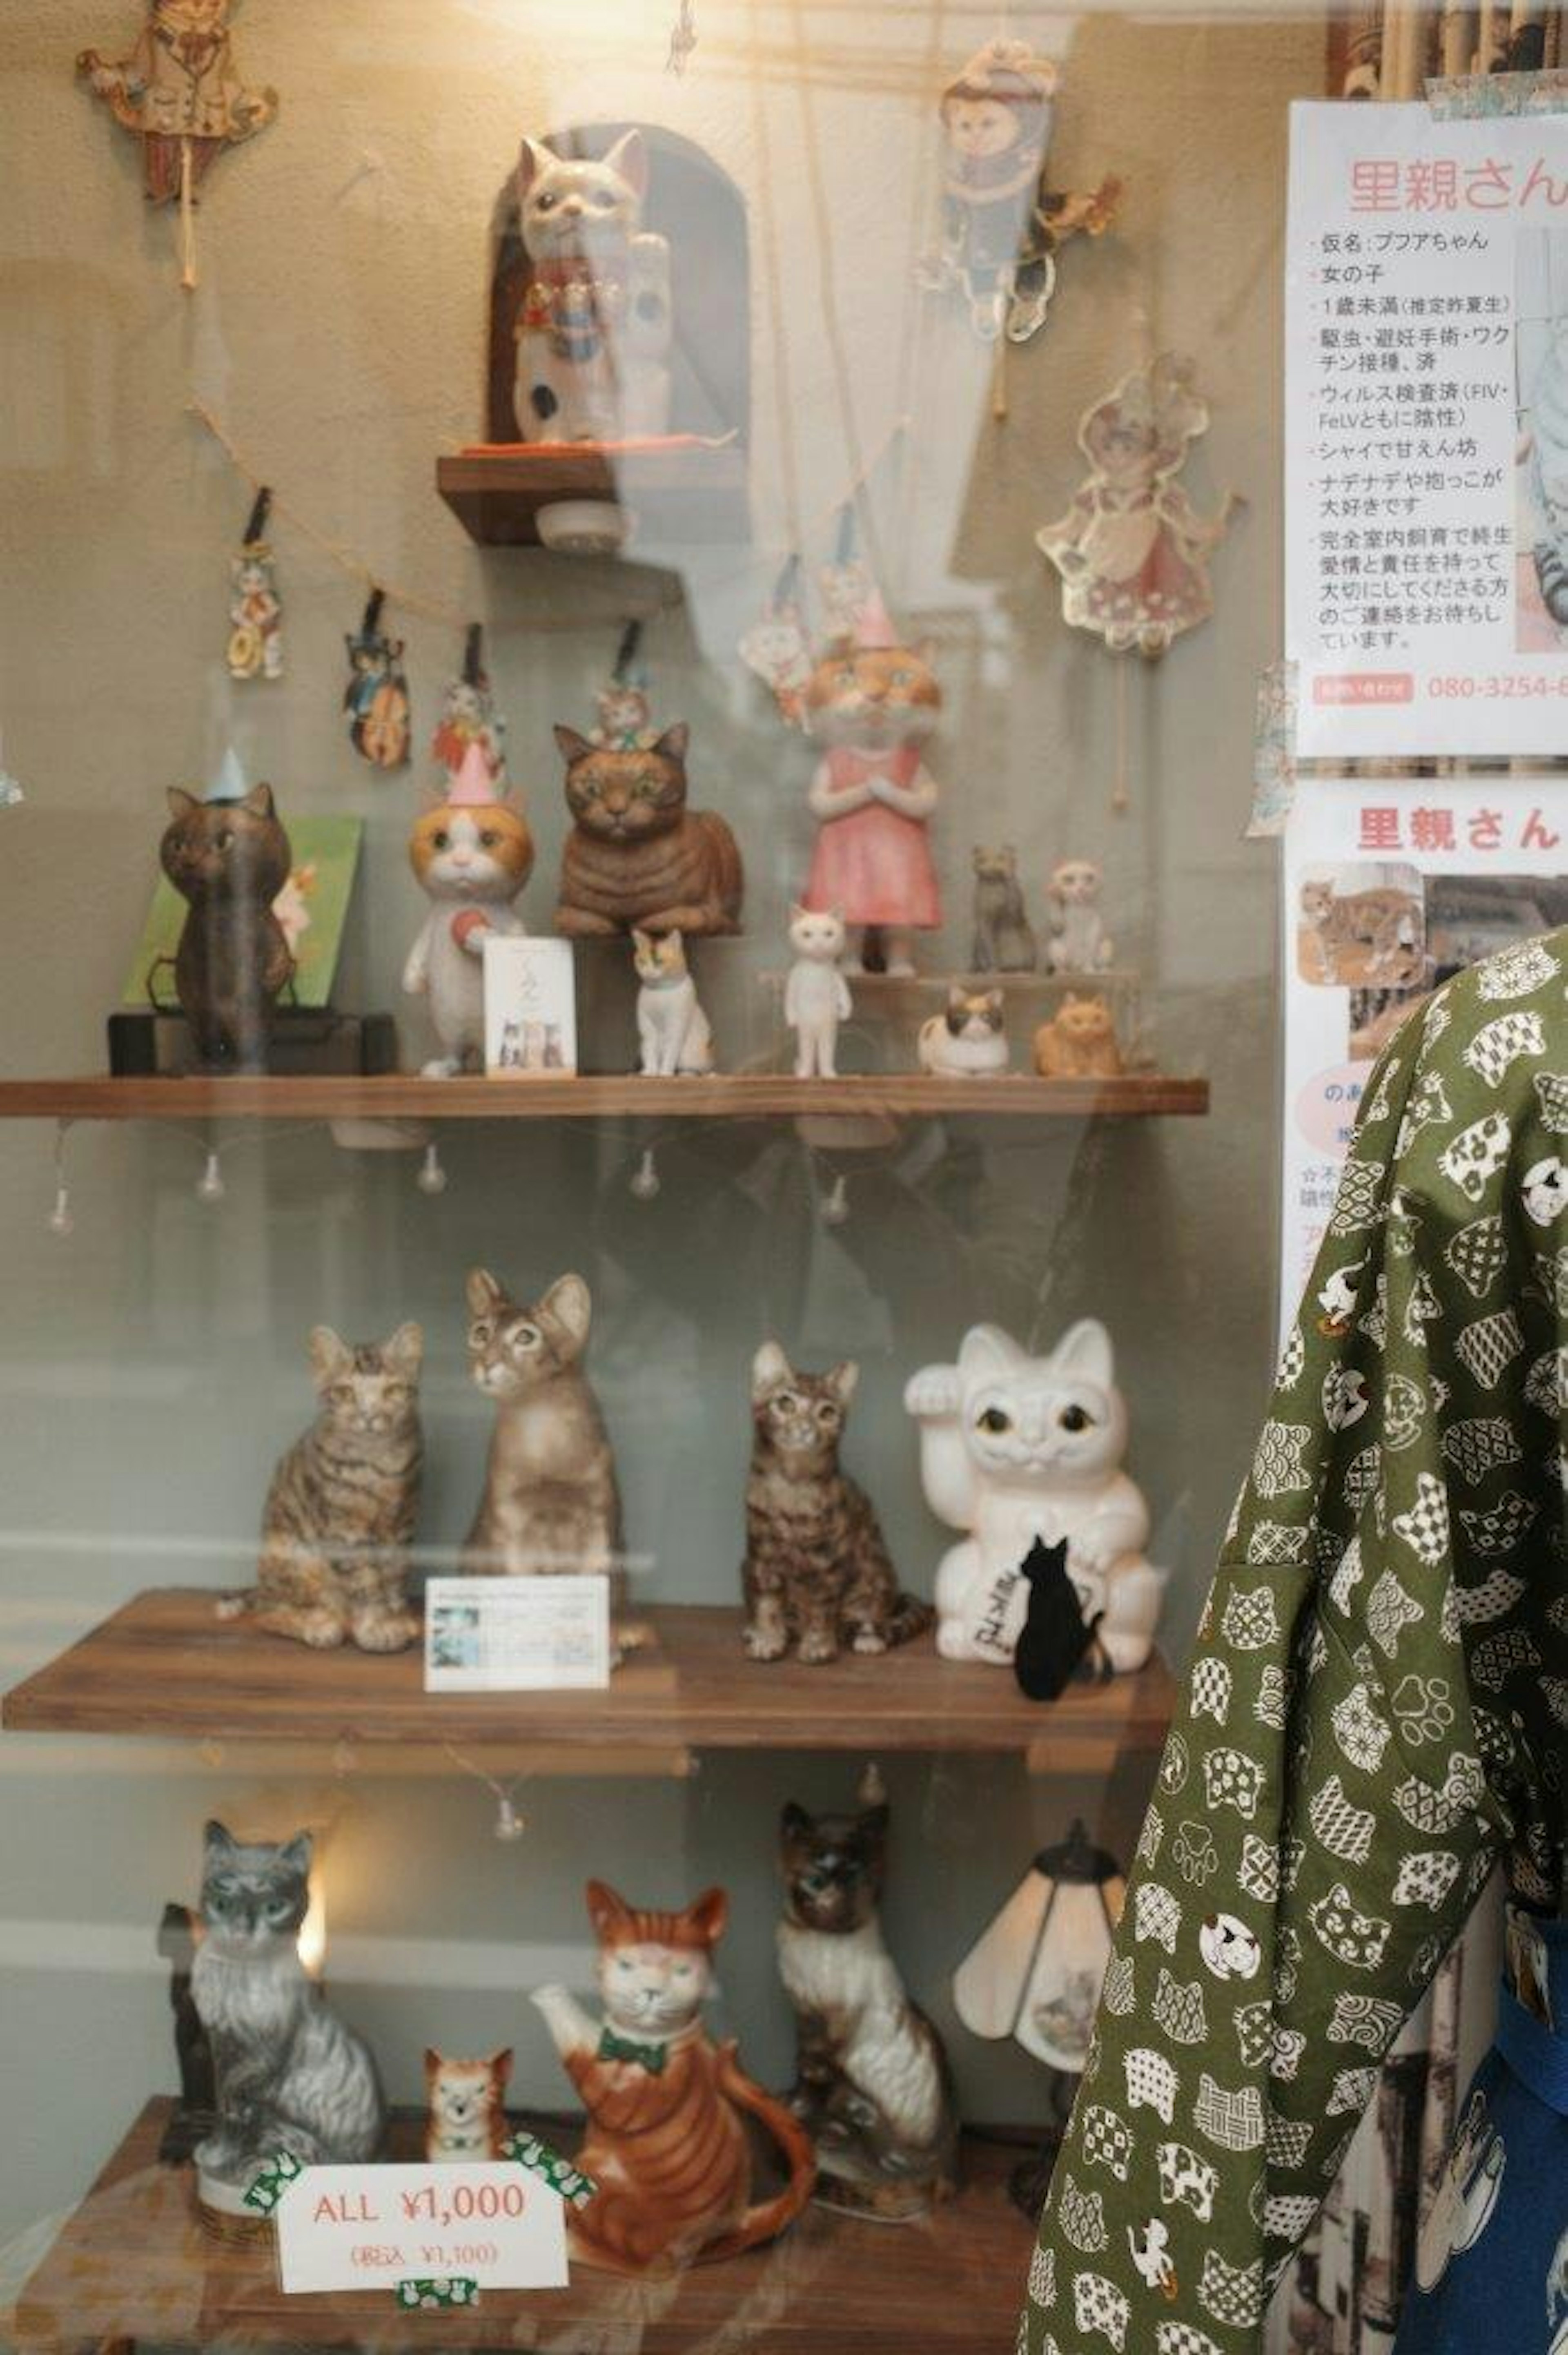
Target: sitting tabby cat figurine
{"type": "Point", "coordinates": [968, 1041]}
{"type": "Point", "coordinates": [465, 2101]}
{"type": "Point", "coordinates": [342, 1507]}
{"type": "Point", "coordinates": [593, 335]}
{"type": "Point", "coordinates": [636, 854]}
{"type": "Point", "coordinates": [228, 860]}
{"type": "Point", "coordinates": [667, 2142]}
{"type": "Point", "coordinates": [1079, 1043]}
{"type": "Point", "coordinates": [872, 2084]}
{"type": "Point", "coordinates": [550, 1499]}
{"type": "Point", "coordinates": [815, 1573]}
{"type": "Point", "coordinates": [289, 2076]}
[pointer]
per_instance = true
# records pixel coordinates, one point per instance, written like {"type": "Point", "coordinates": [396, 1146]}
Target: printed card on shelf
{"type": "Point", "coordinates": [530, 1009]}
{"type": "Point", "coordinates": [489, 2222]}
{"type": "Point", "coordinates": [517, 1635]}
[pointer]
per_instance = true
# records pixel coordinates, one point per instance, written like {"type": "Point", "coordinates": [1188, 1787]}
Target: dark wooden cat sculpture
{"type": "Point", "coordinates": [228, 860]}
{"type": "Point", "coordinates": [636, 854]}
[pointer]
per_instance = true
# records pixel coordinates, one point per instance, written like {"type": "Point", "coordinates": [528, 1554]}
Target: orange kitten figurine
{"type": "Point", "coordinates": [465, 2100]}
{"type": "Point", "coordinates": [1080, 1043]}
{"type": "Point", "coordinates": [667, 2142]}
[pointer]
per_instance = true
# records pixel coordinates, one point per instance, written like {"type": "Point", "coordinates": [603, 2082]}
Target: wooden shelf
{"type": "Point", "coordinates": [166, 1664]}
{"type": "Point", "coordinates": [763, 1095]}
{"type": "Point", "coordinates": [132, 2264]}
{"type": "Point", "coordinates": [678, 495]}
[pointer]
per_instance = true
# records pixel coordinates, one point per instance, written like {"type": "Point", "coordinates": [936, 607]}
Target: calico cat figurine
{"type": "Point", "coordinates": [228, 860]}
{"type": "Point", "coordinates": [1079, 1043]}
{"type": "Point", "coordinates": [967, 1041]}
{"type": "Point", "coordinates": [636, 854]}
{"type": "Point", "coordinates": [667, 2141]}
{"type": "Point", "coordinates": [673, 1031]}
{"type": "Point", "coordinates": [342, 1504]}
{"type": "Point", "coordinates": [872, 2084]}
{"type": "Point", "coordinates": [1004, 937]}
{"type": "Point", "coordinates": [550, 1499]}
{"type": "Point", "coordinates": [471, 852]}
{"type": "Point", "coordinates": [593, 337]}
{"type": "Point", "coordinates": [815, 1573]}
{"type": "Point", "coordinates": [289, 2076]}
{"type": "Point", "coordinates": [465, 2104]}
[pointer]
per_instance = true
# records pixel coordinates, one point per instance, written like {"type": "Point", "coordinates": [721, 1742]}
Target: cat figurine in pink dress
{"type": "Point", "coordinates": [871, 702]}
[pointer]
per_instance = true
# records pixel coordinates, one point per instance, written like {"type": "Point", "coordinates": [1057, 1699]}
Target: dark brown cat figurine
{"type": "Point", "coordinates": [229, 859]}
{"type": "Point", "coordinates": [636, 854]}
{"type": "Point", "coordinates": [815, 1573]}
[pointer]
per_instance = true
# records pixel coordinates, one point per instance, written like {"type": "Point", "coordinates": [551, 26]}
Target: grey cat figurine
{"type": "Point", "coordinates": [872, 2084]}
{"type": "Point", "coordinates": [550, 1501]}
{"type": "Point", "coordinates": [289, 2075]}
{"type": "Point", "coordinates": [1004, 937]}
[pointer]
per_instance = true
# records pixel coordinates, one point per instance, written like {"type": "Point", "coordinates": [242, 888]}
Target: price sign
{"type": "Point", "coordinates": [491, 2221]}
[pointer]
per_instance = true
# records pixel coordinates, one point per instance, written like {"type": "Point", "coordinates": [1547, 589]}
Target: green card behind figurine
{"type": "Point", "coordinates": [313, 909]}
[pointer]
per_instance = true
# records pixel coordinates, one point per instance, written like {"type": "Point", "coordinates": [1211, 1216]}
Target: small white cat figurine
{"type": "Point", "coordinates": [969, 1040]}
{"type": "Point", "coordinates": [1078, 941]}
{"type": "Point", "coordinates": [672, 1029]}
{"type": "Point", "coordinates": [1015, 1448]}
{"type": "Point", "coordinates": [593, 336]}
{"type": "Point", "coordinates": [816, 995]}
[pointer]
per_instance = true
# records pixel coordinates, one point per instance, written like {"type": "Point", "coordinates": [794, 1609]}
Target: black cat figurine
{"type": "Point", "coordinates": [1053, 1639]}
{"type": "Point", "coordinates": [228, 860]}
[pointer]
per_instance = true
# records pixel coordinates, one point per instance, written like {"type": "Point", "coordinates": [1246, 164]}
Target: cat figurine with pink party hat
{"type": "Point", "coordinates": [472, 852]}
{"type": "Point", "coordinates": [871, 702]}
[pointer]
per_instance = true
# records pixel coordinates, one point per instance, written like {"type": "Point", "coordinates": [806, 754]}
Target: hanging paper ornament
{"type": "Point", "coordinates": [1131, 550]}
{"type": "Point", "coordinates": [777, 646]}
{"type": "Point", "coordinates": [1001, 225]}
{"type": "Point", "coordinates": [376, 696]}
{"type": "Point", "coordinates": [179, 92]}
{"type": "Point", "coordinates": [847, 585]}
{"type": "Point", "coordinates": [625, 714]}
{"type": "Point", "coordinates": [254, 608]}
{"type": "Point", "coordinates": [469, 720]}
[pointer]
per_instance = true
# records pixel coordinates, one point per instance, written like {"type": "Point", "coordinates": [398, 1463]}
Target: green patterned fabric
{"type": "Point", "coordinates": [1376, 1705]}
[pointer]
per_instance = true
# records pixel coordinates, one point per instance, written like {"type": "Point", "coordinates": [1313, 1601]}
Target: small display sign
{"type": "Point", "coordinates": [516, 1635]}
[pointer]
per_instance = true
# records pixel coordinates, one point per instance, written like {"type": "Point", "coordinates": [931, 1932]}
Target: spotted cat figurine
{"type": "Point", "coordinates": [344, 1502]}
{"type": "Point", "coordinates": [228, 860]}
{"type": "Point", "coordinates": [636, 856]}
{"type": "Point", "coordinates": [815, 1573]}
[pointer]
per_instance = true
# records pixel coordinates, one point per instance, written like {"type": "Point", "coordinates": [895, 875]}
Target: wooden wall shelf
{"type": "Point", "coordinates": [763, 1095]}
{"type": "Point", "coordinates": [166, 1664]}
{"type": "Point", "coordinates": [132, 2267]}
{"type": "Point", "coordinates": [678, 496]}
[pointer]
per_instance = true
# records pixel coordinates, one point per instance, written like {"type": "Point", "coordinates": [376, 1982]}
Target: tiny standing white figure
{"type": "Point", "coordinates": [593, 336]}
{"type": "Point", "coordinates": [1078, 940]}
{"type": "Point", "coordinates": [1014, 1448]}
{"type": "Point", "coordinates": [816, 995]}
{"type": "Point", "coordinates": [673, 1031]}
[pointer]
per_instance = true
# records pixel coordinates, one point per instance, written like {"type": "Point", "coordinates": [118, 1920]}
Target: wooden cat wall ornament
{"type": "Point", "coordinates": [668, 2143]}
{"type": "Point", "coordinates": [637, 857]}
{"type": "Point", "coordinates": [228, 860]}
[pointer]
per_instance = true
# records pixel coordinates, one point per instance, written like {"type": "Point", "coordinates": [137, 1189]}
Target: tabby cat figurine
{"type": "Point", "coordinates": [465, 2107]}
{"type": "Point", "coordinates": [550, 1501]}
{"type": "Point", "coordinates": [636, 854]}
{"type": "Point", "coordinates": [289, 2076]}
{"type": "Point", "coordinates": [667, 2142]}
{"type": "Point", "coordinates": [872, 2084]}
{"type": "Point", "coordinates": [815, 1573]}
{"type": "Point", "coordinates": [228, 860]}
{"type": "Point", "coordinates": [342, 1507]}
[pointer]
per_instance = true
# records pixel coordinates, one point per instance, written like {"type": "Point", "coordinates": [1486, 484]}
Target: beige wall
{"type": "Point", "coordinates": [149, 1368]}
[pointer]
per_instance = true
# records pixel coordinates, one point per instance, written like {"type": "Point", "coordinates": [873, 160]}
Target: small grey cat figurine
{"type": "Point", "coordinates": [289, 2075]}
{"type": "Point", "coordinates": [872, 2082]}
{"type": "Point", "coordinates": [1004, 937]}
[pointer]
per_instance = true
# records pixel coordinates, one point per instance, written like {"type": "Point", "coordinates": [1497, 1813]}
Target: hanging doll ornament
{"type": "Point", "coordinates": [776, 649]}
{"type": "Point", "coordinates": [1131, 550]}
{"type": "Point", "coordinates": [179, 91]}
{"type": "Point", "coordinates": [376, 696]}
{"type": "Point", "coordinates": [1001, 225]}
{"type": "Point", "coordinates": [848, 586]}
{"type": "Point", "coordinates": [468, 722]}
{"type": "Point", "coordinates": [254, 608]}
{"type": "Point", "coordinates": [625, 715]}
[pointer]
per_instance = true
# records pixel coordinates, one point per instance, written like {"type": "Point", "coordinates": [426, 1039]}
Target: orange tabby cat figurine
{"type": "Point", "coordinates": [667, 2143]}
{"type": "Point", "coordinates": [1080, 1043]}
{"type": "Point", "coordinates": [465, 2107]}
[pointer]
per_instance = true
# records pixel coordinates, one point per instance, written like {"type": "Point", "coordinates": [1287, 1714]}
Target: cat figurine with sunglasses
{"type": "Point", "coordinates": [1015, 1448]}
{"type": "Point", "coordinates": [593, 336]}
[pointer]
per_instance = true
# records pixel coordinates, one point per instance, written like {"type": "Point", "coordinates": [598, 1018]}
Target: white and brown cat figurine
{"type": "Point", "coordinates": [673, 1031]}
{"type": "Point", "coordinates": [593, 337]}
{"type": "Point", "coordinates": [967, 1041]}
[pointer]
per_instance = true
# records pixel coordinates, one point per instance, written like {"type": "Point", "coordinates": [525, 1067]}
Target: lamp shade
{"type": "Point", "coordinates": [1035, 1974]}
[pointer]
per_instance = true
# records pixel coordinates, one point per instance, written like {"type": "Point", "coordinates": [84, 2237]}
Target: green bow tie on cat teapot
{"type": "Point", "coordinates": [621, 2048]}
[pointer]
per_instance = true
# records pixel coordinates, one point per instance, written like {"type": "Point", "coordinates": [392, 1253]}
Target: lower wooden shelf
{"type": "Point", "coordinates": [166, 1664]}
{"type": "Point", "coordinates": [133, 2266]}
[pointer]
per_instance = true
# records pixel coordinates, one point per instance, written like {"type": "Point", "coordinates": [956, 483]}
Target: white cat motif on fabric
{"type": "Point", "coordinates": [1015, 1448]}
{"type": "Point", "coordinates": [593, 337]}
{"type": "Point", "coordinates": [673, 1033]}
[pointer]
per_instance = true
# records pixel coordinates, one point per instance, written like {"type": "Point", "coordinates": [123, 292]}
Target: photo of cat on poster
{"type": "Point", "coordinates": [1541, 361]}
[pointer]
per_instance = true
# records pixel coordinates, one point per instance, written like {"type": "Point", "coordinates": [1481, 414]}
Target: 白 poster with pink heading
{"type": "Point", "coordinates": [1426, 431]}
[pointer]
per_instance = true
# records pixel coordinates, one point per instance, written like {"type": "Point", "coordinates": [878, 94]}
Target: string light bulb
{"type": "Point", "coordinates": [210, 1186]}
{"type": "Point", "coordinates": [509, 1824]}
{"type": "Point", "coordinates": [835, 1210]}
{"type": "Point", "coordinates": [60, 1219]}
{"type": "Point", "coordinates": [432, 1177]}
{"type": "Point", "coordinates": [645, 1178]}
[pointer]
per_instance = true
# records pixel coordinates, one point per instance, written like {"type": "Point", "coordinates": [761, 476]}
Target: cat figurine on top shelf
{"type": "Point", "coordinates": [471, 852]}
{"type": "Point", "coordinates": [593, 335]}
{"type": "Point", "coordinates": [1014, 1448]}
{"type": "Point", "coordinates": [1079, 1043]}
{"type": "Point", "coordinates": [636, 854]}
{"type": "Point", "coordinates": [1004, 937]}
{"type": "Point", "coordinates": [229, 859]}
{"type": "Point", "coordinates": [968, 1041]}
{"type": "Point", "coordinates": [344, 1502]}
{"type": "Point", "coordinates": [872, 2084]}
{"type": "Point", "coordinates": [816, 995]}
{"type": "Point", "coordinates": [291, 2078]}
{"type": "Point", "coordinates": [870, 703]}
{"type": "Point", "coordinates": [673, 1031]}
{"type": "Point", "coordinates": [1076, 938]}
{"type": "Point", "coordinates": [465, 2103]}
{"type": "Point", "coordinates": [815, 1573]}
{"type": "Point", "coordinates": [668, 2144]}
